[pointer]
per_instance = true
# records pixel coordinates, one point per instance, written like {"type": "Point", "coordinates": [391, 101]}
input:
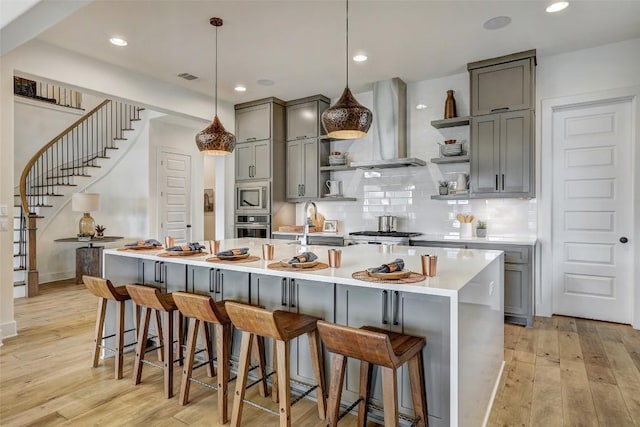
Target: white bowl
{"type": "Point", "coordinates": [337, 160]}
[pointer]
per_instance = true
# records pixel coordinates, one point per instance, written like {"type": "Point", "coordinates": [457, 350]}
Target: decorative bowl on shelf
{"type": "Point", "coordinates": [337, 160]}
{"type": "Point", "coordinates": [450, 150]}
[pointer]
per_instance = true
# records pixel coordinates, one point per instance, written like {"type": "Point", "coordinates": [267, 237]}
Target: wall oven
{"type": "Point", "coordinates": [253, 198]}
{"type": "Point", "coordinates": [257, 226]}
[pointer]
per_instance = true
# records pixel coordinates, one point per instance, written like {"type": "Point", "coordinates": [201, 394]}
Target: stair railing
{"type": "Point", "coordinates": [69, 155]}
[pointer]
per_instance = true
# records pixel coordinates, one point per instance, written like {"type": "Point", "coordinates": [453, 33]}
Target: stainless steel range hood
{"type": "Point", "coordinates": [389, 129]}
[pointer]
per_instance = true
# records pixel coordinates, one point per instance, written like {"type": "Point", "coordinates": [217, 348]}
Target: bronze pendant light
{"type": "Point", "coordinates": [347, 119]}
{"type": "Point", "coordinates": [215, 140]}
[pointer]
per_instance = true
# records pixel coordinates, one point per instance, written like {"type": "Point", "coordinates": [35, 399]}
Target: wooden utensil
{"type": "Point", "coordinates": [460, 218]}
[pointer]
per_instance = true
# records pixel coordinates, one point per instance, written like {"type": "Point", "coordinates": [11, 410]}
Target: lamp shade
{"type": "Point", "coordinates": [85, 202]}
{"type": "Point", "coordinates": [347, 119]}
{"type": "Point", "coordinates": [215, 140]}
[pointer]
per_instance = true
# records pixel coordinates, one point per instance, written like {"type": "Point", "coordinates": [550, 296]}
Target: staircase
{"type": "Point", "coordinates": [52, 174]}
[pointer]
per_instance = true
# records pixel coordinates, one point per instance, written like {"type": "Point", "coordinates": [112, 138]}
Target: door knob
{"type": "Point", "coordinates": [623, 240]}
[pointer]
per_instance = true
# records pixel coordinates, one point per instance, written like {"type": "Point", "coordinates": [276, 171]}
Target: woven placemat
{"type": "Point", "coordinates": [250, 258]}
{"type": "Point", "coordinates": [134, 249]}
{"type": "Point", "coordinates": [179, 254]}
{"type": "Point", "coordinates": [364, 276]}
{"type": "Point", "coordinates": [281, 267]}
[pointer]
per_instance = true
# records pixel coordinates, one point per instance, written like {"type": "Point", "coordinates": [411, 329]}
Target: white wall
{"type": "Point", "coordinates": [209, 182]}
{"type": "Point", "coordinates": [98, 78]}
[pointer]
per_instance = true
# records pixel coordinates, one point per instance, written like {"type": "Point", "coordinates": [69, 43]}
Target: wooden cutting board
{"type": "Point", "coordinates": [296, 229]}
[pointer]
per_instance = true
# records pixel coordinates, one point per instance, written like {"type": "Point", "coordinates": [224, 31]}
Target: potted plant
{"type": "Point", "coordinates": [444, 188]}
{"type": "Point", "coordinates": [481, 229]}
{"type": "Point", "coordinates": [100, 231]}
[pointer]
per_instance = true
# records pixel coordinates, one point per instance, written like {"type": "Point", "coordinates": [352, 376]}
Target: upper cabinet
{"type": "Point", "coordinates": [253, 123]}
{"type": "Point", "coordinates": [502, 126]}
{"type": "Point", "coordinates": [260, 146]}
{"type": "Point", "coordinates": [304, 149]}
{"type": "Point", "coordinates": [503, 84]}
{"type": "Point", "coordinates": [502, 155]}
{"type": "Point", "coordinates": [303, 121]}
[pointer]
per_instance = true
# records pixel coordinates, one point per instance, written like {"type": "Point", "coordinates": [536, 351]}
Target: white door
{"type": "Point", "coordinates": [174, 196]}
{"type": "Point", "coordinates": [592, 211]}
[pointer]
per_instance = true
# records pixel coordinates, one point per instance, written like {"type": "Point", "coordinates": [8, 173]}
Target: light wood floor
{"type": "Point", "coordinates": [564, 371]}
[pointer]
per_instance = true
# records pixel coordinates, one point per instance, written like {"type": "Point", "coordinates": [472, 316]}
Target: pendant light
{"type": "Point", "coordinates": [347, 119]}
{"type": "Point", "coordinates": [215, 140]}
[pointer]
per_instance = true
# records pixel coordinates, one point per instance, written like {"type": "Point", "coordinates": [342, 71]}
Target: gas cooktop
{"type": "Point", "coordinates": [385, 233]}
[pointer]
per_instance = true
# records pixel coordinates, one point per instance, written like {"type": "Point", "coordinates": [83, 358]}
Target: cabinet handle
{"type": "Point", "coordinates": [304, 190]}
{"type": "Point", "coordinates": [221, 282]}
{"type": "Point", "coordinates": [502, 182]}
{"type": "Point", "coordinates": [301, 137]}
{"type": "Point", "coordinates": [163, 272]}
{"type": "Point", "coordinates": [251, 139]}
{"type": "Point", "coordinates": [155, 271]}
{"type": "Point", "coordinates": [494, 110]}
{"type": "Point", "coordinates": [496, 182]}
{"type": "Point", "coordinates": [299, 190]}
{"type": "Point", "coordinates": [193, 281]}
{"type": "Point", "coordinates": [292, 293]}
{"type": "Point", "coordinates": [283, 290]}
{"type": "Point", "coordinates": [211, 280]}
{"type": "Point", "coordinates": [396, 306]}
{"type": "Point", "coordinates": [384, 307]}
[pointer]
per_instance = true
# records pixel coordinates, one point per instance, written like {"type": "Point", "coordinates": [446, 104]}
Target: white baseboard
{"type": "Point", "coordinates": [7, 330]}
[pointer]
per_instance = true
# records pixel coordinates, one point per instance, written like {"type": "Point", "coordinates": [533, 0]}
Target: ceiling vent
{"type": "Point", "coordinates": [187, 76]}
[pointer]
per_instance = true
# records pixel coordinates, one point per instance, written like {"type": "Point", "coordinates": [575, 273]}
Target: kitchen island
{"type": "Point", "coordinates": [460, 311]}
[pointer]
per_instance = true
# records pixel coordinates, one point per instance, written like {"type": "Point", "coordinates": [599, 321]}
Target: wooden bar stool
{"type": "Point", "coordinates": [374, 346]}
{"type": "Point", "coordinates": [282, 326]}
{"type": "Point", "coordinates": [150, 299]}
{"type": "Point", "coordinates": [105, 291]}
{"type": "Point", "coordinates": [202, 308]}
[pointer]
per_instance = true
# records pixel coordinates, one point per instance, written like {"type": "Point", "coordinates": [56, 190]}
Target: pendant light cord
{"type": "Point", "coordinates": [216, 85]}
{"type": "Point", "coordinates": [347, 53]}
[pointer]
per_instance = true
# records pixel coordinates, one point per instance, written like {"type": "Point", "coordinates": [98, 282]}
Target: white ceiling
{"type": "Point", "coordinates": [300, 44]}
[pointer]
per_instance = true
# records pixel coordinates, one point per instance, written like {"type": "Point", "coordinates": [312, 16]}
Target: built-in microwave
{"type": "Point", "coordinates": [253, 198]}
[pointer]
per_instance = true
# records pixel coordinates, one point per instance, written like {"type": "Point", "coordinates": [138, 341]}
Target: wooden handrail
{"type": "Point", "coordinates": [34, 159]}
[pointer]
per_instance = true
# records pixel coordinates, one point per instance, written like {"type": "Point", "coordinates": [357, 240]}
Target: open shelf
{"type": "Point", "coordinates": [451, 159]}
{"type": "Point", "coordinates": [450, 123]}
{"type": "Point", "coordinates": [336, 168]}
{"type": "Point", "coordinates": [336, 199]}
{"type": "Point", "coordinates": [464, 196]}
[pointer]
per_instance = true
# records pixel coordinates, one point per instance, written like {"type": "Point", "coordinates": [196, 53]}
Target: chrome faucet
{"type": "Point", "coordinates": [307, 221]}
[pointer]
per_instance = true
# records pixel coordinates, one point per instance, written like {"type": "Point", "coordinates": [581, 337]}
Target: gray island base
{"type": "Point", "coordinates": [459, 311]}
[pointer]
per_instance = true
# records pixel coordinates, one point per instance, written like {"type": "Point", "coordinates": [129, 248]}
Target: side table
{"type": "Point", "coordinates": [89, 258]}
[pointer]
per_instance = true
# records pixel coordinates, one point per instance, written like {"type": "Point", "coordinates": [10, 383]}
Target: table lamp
{"type": "Point", "coordinates": [86, 202]}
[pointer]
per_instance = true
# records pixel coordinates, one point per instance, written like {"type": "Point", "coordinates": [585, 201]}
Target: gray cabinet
{"type": "Point", "coordinates": [502, 155]}
{"type": "Point", "coordinates": [304, 130]}
{"type": "Point", "coordinates": [165, 275]}
{"type": "Point", "coordinates": [302, 120]}
{"type": "Point", "coordinates": [503, 84]}
{"type": "Point", "coordinates": [302, 169]}
{"type": "Point", "coordinates": [403, 313]}
{"type": "Point", "coordinates": [253, 123]}
{"type": "Point", "coordinates": [253, 160]}
{"type": "Point", "coordinates": [297, 296]}
{"type": "Point", "coordinates": [502, 142]}
{"type": "Point", "coordinates": [518, 276]}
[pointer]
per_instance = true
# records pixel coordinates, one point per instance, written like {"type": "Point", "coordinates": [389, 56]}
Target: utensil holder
{"type": "Point", "coordinates": [466, 230]}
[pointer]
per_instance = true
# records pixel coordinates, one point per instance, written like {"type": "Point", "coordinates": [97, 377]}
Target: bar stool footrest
{"type": "Point", "coordinates": [412, 420]}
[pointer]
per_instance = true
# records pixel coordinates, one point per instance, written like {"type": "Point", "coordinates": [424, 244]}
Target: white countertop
{"type": "Point", "coordinates": [506, 240]}
{"type": "Point", "coordinates": [320, 233]}
{"type": "Point", "coordinates": [456, 267]}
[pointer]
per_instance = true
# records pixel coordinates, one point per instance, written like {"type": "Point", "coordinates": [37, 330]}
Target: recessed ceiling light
{"type": "Point", "coordinates": [240, 88]}
{"type": "Point", "coordinates": [118, 41]}
{"type": "Point", "coordinates": [557, 6]}
{"type": "Point", "coordinates": [360, 58]}
{"type": "Point", "coordinates": [265, 82]}
{"type": "Point", "coordinates": [421, 107]}
{"type": "Point", "coordinates": [497, 23]}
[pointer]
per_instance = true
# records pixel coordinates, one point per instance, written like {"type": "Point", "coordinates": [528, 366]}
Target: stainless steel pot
{"type": "Point", "coordinates": [387, 223]}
